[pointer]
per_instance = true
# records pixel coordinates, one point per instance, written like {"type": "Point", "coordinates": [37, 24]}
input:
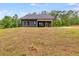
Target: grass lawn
{"type": "Point", "coordinates": [39, 41]}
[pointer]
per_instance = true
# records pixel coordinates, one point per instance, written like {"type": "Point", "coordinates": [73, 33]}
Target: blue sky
{"type": "Point", "coordinates": [24, 8]}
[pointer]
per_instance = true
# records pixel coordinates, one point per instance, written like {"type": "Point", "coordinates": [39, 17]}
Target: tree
{"type": "Point", "coordinates": [67, 17]}
{"type": "Point", "coordinates": [15, 20]}
{"type": "Point", "coordinates": [57, 23]}
{"type": "Point", "coordinates": [44, 12]}
{"type": "Point", "coordinates": [10, 22]}
{"type": "Point", "coordinates": [6, 22]}
{"type": "Point", "coordinates": [55, 14]}
{"type": "Point", "coordinates": [15, 16]}
{"type": "Point", "coordinates": [34, 13]}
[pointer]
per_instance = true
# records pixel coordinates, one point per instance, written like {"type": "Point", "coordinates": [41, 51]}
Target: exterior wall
{"type": "Point", "coordinates": [35, 23]}
{"type": "Point", "coordinates": [28, 23]}
{"type": "Point", "coordinates": [24, 23]}
{"type": "Point", "coordinates": [32, 23]}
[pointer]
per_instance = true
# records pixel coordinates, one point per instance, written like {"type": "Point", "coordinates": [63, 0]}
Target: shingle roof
{"type": "Point", "coordinates": [37, 16]}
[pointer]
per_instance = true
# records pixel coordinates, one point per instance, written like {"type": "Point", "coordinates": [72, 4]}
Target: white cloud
{"type": "Point", "coordinates": [33, 4]}
{"type": "Point", "coordinates": [71, 3]}
{"type": "Point", "coordinates": [76, 8]}
{"type": "Point", "coordinates": [37, 4]}
{"type": "Point", "coordinates": [77, 5]}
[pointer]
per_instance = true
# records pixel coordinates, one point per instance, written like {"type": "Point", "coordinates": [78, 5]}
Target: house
{"type": "Point", "coordinates": [36, 20]}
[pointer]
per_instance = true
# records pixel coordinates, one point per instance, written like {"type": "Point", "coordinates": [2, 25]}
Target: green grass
{"type": "Point", "coordinates": [39, 41]}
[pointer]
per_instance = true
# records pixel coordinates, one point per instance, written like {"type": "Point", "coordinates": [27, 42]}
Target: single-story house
{"type": "Point", "coordinates": [36, 20]}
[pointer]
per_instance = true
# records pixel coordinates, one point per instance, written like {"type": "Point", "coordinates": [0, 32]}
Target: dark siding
{"type": "Point", "coordinates": [29, 23]}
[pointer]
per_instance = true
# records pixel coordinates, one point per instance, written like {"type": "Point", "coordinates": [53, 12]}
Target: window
{"type": "Point", "coordinates": [34, 22]}
{"type": "Point", "coordinates": [24, 22]}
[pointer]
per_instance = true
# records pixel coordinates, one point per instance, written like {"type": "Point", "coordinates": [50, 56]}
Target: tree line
{"type": "Point", "coordinates": [61, 18]}
{"type": "Point", "coordinates": [65, 18]}
{"type": "Point", "coordinates": [10, 22]}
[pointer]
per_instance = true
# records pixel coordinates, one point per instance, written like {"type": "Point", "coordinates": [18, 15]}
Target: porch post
{"type": "Point", "coordinates": [45, 24]}
{"type": "Point", "coordinates": [36, 23]}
